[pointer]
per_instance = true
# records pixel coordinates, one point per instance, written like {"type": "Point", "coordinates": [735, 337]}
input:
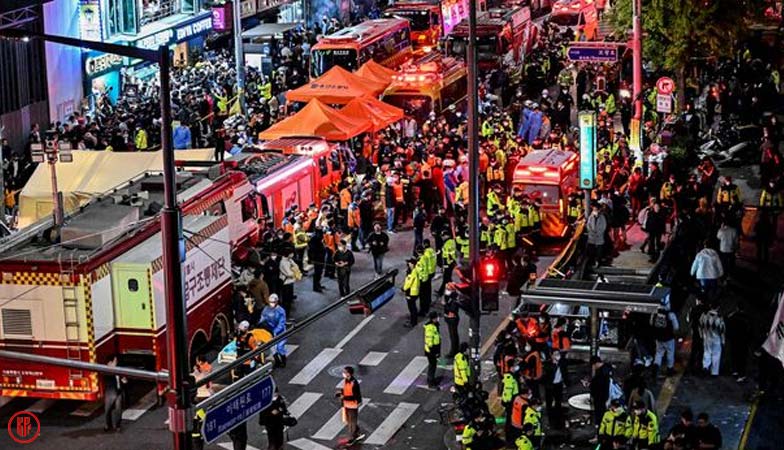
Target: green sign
{"type": "Point", "coordinates": [587, 120]}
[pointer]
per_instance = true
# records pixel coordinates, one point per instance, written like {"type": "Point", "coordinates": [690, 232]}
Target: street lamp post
{"type": "Point", "coordinates": [180, 416]}
{"type": "Point", "coordinates": [473, 184]}
{"type": "Point", "coordinates": [637, 58]}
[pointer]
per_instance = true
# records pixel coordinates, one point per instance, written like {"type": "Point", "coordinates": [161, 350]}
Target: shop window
{"type": "Point", "coordinates": [154, 10]}
{"type": "Point", "coordinates": [249, 208]}
{"type": "Point", "coordinates": [120, 17]}
{"type": "Point", "coordinates": [323, 168]}
{"type": "Point", "coordinates": [133, 285]}
{"type": "Point", "coordinates": [217, 209]}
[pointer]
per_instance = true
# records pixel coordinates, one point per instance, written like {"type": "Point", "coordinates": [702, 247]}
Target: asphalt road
{"type": "Point", "coordinates": [399, 412]}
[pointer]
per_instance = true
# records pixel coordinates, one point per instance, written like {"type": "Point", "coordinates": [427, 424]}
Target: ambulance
{"type": "Point", "coordinates": [550, 176]}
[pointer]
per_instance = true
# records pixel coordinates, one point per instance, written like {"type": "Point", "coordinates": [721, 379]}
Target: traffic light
{"type": "Point", "coordinates": [490, 279]}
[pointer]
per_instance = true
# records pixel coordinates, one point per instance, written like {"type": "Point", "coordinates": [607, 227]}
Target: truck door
{"type": "Point", "coordinates": [132, 302]}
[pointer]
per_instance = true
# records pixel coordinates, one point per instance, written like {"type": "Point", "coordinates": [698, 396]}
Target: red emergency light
{"type": "Point", "coordinates": [490, 270]}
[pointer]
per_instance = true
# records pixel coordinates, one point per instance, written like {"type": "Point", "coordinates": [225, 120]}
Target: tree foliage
{"type": "Point", "coordinates": [679, 33]}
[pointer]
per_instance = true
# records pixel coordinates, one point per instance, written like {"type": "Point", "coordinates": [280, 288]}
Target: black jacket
{"type": "Point", "coordinates": [378, 242]}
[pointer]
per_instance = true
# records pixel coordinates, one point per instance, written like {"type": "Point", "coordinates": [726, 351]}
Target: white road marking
{"type": "Point", "coordinates": [354, 332]}
{"type": "Point", "coordinates": [87, 409]}
{"type": "Point", "coordinates": [315, 366]}
{"type": "Point", "coordinates": [291, 348]}
{"type": "Point", "coordinates": [392, 424]}
{"type": "Point", "coordinates": [335, 425]}
{"type": "Point", "coordinates": [230, 446]}
{"type": "Point", "coordinates": [407, 377]}
{"type": "Point", "coordinates": [142, 406]}
{"type": "Point", "coordinates": [307, 444]}
{"type": "Point", "coordinates": [41, 405]}
{"type": "Point", "coordinates": [303, 403]}
{"type": "Point", "coordinates": [373, 358]}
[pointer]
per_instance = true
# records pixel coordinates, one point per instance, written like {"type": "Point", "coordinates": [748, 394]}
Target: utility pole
{"type": "Point", "coordinates": [473, 186]}
{"type": "Point", "coordinates": [180, 417]}
{"type": "Point", "coordinates": [239, 55]}
{"type": "Point", "coordinates": [2, 174]}
{"type": "Point", "coordinates": [637, 58]}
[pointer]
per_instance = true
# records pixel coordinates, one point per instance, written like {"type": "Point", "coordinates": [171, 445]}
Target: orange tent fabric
{"type": "Point", "coordinates": [318, 119]}
{"type": "Point", "coordinates": [372, 70]}
{"type": "Point", "coordinates": [380, 114]}
{"type": "Point", "coordinates": [336, 86]}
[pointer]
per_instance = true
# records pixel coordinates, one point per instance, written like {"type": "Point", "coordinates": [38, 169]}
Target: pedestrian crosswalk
{"type": "Point", "coordinates": [373, 359]}
{"type": "Point", "coordinates": [142, 406]}
{"type": "Point", "coordinates": [392, 424]}
{"type": "Point", "coordinates": [315, 366]}
{"type": "Point", "coordinates": [406, 378]}
{"type": "Point", "coordinates": [307, 444]}
{"type": "Point", "coordinates": [303, 403]}
{"type": "Point", "coordinates": [335, 425]}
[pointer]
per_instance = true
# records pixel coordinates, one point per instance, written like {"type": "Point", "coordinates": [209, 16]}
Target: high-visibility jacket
{"type": "Point", "coordinates": [422, 270]}
{"type": "Point", "coordinates": [615, 423]}
{"type": "Point", "coordinates": [511, 236]}
{"type": "Point", "coordinates": [493, 202]}
{"type": "Point", "coordinates": [461, 194]}
{"type": "Point", "coordinates": [495, 173]}
{"type": "Point", "coordinates": [499, 237]}
{"type": "Point", "coordinates": [345, 198]}
{"type": "Point", "coordinates": [301, 239]}
{"type": "Point", "coordinates": [666, 191]}
{"type": "Point", "coordinates": [519, 405]}
{"type": "Point", "coordinates": [533, 215]}
{"type": "Point", "coordinates": [398, 189]}
{"type": "Point", "coordinates": [523, 443]}
{"type": "Point", "coordinates": [510, 388]}
{"type": "Point", "coordinates": [487, 128]}
{"type": "Point", "coordinates": [432, 337]}
{"type": "Point", "coordinates": [430, 261]}
{"type": "Point", "coordinates": [411, 283]}
{"type": "Point", "coordinates": [771, 199]}
{"type": "Point", "coordinates": [485, 235]}
{"type": "Point", "coordinates": [575, 209]}
{"type": "Point", "coordinates": [265, 90]}
{"type": "Point", "coordinates": [141, 140]}
{"type": "Point", "coordinates": [728, 194]}
{"type": "Point", "coordinates": [463, 243]}
{"type": "Point", "coordinates": [198, 419]}
{"type": "Point", "coordinates": [512, 206]}
{"type": "Point", "coordinates": [561, 340]}
{"type": "Point", "coordinates": [461, 369]}
{"type": "Point", "coordinates": [533, 417]}
{"type": "Point", "coordinates": [350, 398]}
{"type": "Point", "coordinates": [468, 436]}
{"type": "Point", "coordinates": [449, 251]}
{"type": "Point", "coordinates": [532, 366]}
{"type": "Point", "coordinates": [646, 428]}
{"type": "Point", "coordinates": [500, 156]}
{"type": "Point", "coordinates": [521, 219]}
{"type": "Point", "coordinates": [353, 218]}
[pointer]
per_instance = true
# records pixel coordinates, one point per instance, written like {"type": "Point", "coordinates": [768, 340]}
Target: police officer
{"type": "Point", "coordinates": [615, 423]}
{"type": "Point", "coordinates": [411, 288]}
{"type": "Point", "coordinates": [510, 389]}
{"type": "Point", "coordinates": [524, 441]}
{"type": "Point", "coordinates": [645, 427]}
{"type": "Point", "coordinates": [432, 348]}
{"type": "Point", "coordinates": [769, 198]}
{"type": "Point", "coordinates": [462, 368]}
{"type": "Point", "coordinates": [533, 417]}
{"type": "Point", "coordinates": [448, 258]}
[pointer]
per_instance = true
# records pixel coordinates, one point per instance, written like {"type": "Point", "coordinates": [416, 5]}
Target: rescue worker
{"type": "Point", "coordinates": [431, 264]}
{"type": "Point", "coordinates": [560, 337]}
{"type": "Point", "coordinates": [517, 414]}
{"type": "Point", "coordinates": [615, 423]}
{"type": "Point", "coordinates": [462, 368]}
{"type": "Point", "coordinates": [495, 172]}
{"type": "Point", "coordinates": [196, 439]}
{"type": "Point", "coordinates": [351, 397]}
{"type": "Point", "coordinates": [524, 441]}
{"type": "Point", "coordinates": [645, 427]}
{"type": "Point", "coordinates": [462, 243]}
{"type": "Point", "coordinates": [534, 215]}
{"type": "Point", "coordinates": [432, 348]}
{"type": "Point", "coordinates": [493, 202]}
{"type": "Point", "coordinates": [533, 417]}
{"type": "Point", "coordinates": [411, 289]}
{"type": "Point", "coordinates": [452, 318]}
{"type": "Point", "coordinates": [728, 193]}
{"type": "Point", "coordinates": [511, 387]}
{"type": "Point", "coordinates": [469, 433]}
{"type": "Point", "coordinates": [273, 319]}
{"type": "Point", "coordinates": [532, 368]}
{"type": "Point", "coordinates": [769, 198]}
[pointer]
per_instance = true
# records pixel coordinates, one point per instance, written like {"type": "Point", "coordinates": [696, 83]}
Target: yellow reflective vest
{"type": "Point", "coordinates": [510, 388]}
{"type": "Point", "coordinates": [646, 428]}
{"type": "Point", "coordinates": [411, 283]}
{"type": "Point", "coordinates": [432, 336]}
{"type": "Point", "coordinates": [449, 251]}
{"type": "Point", "coordinates": [461, 369]}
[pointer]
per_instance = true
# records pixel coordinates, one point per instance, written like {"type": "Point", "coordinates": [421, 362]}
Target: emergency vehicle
{"type": "Point", "coordinates": [503, 37]}
{"type": "Point", "coordinates": [579, 15]}
{"type": "Point", "coordinates": [431, 19]}
{"type": "Point", "coordinates": [433, 83]}
{"type": "Point", "coordinates": [95, 286]}
{"type": "Point", "coordinates": [325, 155]}
{"type": "Point", "coordinates": [386, 41]}
{"type": "Point", "coordinates": [549, 175]}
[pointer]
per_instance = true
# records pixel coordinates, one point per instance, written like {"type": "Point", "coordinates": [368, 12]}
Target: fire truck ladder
{"type": "Point", "coordinates": [72, 327]}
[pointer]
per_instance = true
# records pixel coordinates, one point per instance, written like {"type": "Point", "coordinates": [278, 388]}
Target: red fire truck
{"type": "Point", "coordinates": [504, 36]}
{"type": "Point", "coordinates": [94, 287]}
{"type": "Point", "coordinates": [549, 175]}
{"type": "Point", "coordinates": [431, 19]}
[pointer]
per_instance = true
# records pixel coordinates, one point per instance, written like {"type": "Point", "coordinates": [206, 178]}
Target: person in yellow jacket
{"type": "Point", "coordinates": [728, 193]}
{"type": "Point", "coordinates": [196, 438]}
{"type": "Point", "coordinates": [511, 236]}
{"type": "Point", "coordinates": [499, 237]}
{"type": "Point", "coordinates": [534, 214]}
{"type": "Point", "coordinates": [411, 289]}
{"type": "Point", "coordinates": [432, 348]}
{"type": "Point", "coordinates": [462, 243]}
{"type": "Point", "coordinates": [493, 202]}
{"type": "Point", "coordinates": [495, 172]}
{"type": "Point", "coordinates": [140, 141]}
{"type": "Point", "coordinates": [645, 427]}
{"type": "Point", "coordinates": [449, 257]}
{"type": "Point", "coordinates": [510, 387]}
{"type": "Point", "coordinates": [615, 423]}
{"type": "Point", "coordinates": [301, 240]}
{"type": "Point", "coordinates": [524, 442]}
{"type": "Point", "coordinates": [533, 416]}
{"type": "Point", "coordinates": [467, 437]}
{"type": "Point", "coordinates": [769, 198]}
{"type": "Point", "coordinates": [462, 368]}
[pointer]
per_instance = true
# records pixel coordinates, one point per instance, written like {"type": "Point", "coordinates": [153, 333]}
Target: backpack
{"type": "Point", "coordinates": [659, 320]}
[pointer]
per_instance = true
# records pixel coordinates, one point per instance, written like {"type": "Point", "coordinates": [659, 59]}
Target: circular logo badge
{"type": "Point", "coordinates": [24, 427]}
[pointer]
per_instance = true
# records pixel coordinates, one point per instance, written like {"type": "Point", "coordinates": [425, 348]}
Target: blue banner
{"type": "Point", "coordinates": [587, 122]}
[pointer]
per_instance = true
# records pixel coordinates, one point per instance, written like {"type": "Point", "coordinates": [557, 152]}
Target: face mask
{"type": "Point", "coordinates": [527, 348]}
{"type": "Point", "coordinates": [342, 249]}
{"type": "Point", "coordinates": [447, 293]}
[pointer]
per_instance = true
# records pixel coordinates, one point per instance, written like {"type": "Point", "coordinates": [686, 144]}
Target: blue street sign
{"type": "Point", "coordinates": [238, 408]}
{"type": "Point", "coordinates": [593, 53]}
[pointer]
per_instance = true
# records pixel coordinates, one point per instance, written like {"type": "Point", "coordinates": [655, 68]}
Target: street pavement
{"type": "Point", "coordinates": [399, 411]}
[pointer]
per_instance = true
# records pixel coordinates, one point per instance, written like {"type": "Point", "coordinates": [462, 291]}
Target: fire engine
{"type": "Point", "coordinates": [325, 155]}
{"type": "Point", "coordinates": [432, 83]}
{"type": "Point", "coordinates": [579, 15]}
{"type": "Point", "coordinates": [95, 286]}
{"type": "Point", "coordinates": [549, 175]}
{"type": "Point", "coordinates": [431, 19]}
{"type": "Point", "coordinates": [504, 37]}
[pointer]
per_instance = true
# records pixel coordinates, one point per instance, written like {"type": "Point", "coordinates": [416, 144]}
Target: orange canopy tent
{"type": "Point", "coordinates": [336, 86]}
{"type": "Point", "coordinates": [318, 119]}
{"type": "Point", "coordinates": [380, 114]}
{"type": "Point", "coordinates": [372, 70]}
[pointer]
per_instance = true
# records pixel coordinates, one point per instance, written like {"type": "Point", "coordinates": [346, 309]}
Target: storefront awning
{"type": "Point", "coordinates": [268, 29]}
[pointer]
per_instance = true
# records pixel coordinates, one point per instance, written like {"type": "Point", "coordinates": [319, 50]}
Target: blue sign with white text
{"type": "Point", "coordinates": [592, 53]}
{"type": "Point", "coordinates": [237, 409]}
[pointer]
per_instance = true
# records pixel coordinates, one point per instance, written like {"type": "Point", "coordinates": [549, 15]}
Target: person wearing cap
{"type": "Point", "coordinates": [524, 441]}
{"type": "Point", "coordinates": [728, 194]}
{"type": "Point", "coordinates": [273, 319]}
{"type": "Point", "coordinates": [645, 427]}
{"type": "Point", "coordinates": [432, 348]}
{"type": "Point", "coordinates": [616, 422]}
{"type": "Point", "coordinates": [411, 286]}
